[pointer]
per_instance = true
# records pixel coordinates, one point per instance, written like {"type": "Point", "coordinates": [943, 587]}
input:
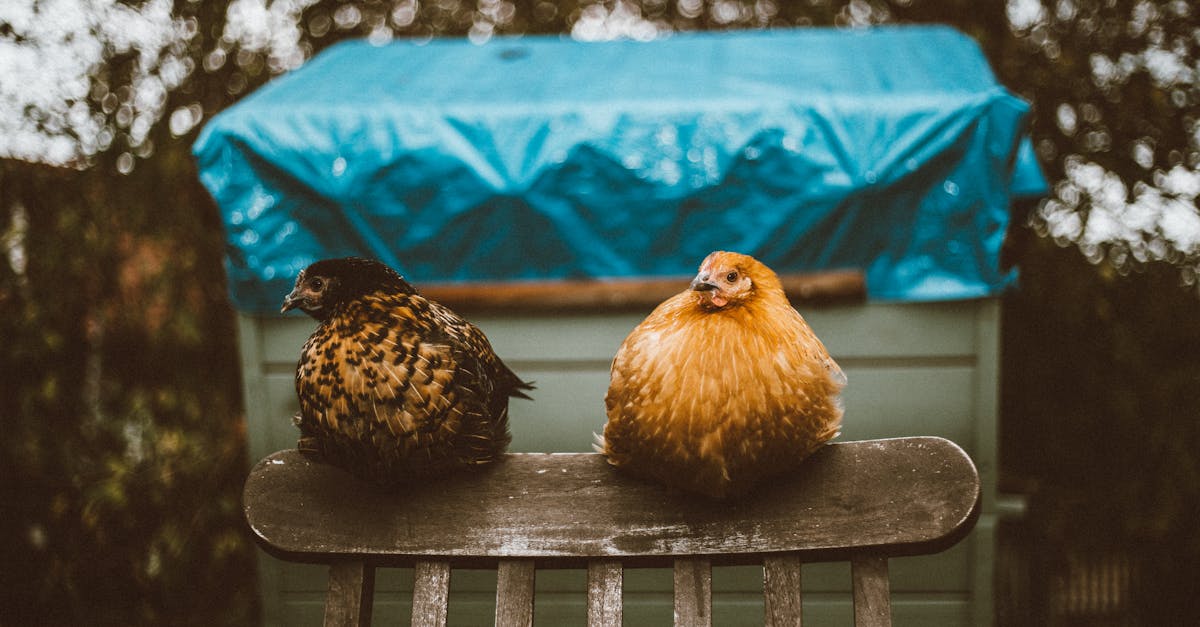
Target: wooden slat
{"type": "Point", "coordinates": [781, 590]}
{"type": "Point", "coordinates": [605, 584]}
{"type": "Point", "coordinates": [514, 593]}
{"type": "Point", "coordinates": [872, 601]}
{"type": "Point", "coordinates": [610, 294]}
{"type": "Point", "coordinates": [910, 495]}
{"type": "Point", "coordinates": [351, 594]}
{"type": "Point", "coordinates": [693, 592]}
{"type": "Point", "coordinates": [431, 593]}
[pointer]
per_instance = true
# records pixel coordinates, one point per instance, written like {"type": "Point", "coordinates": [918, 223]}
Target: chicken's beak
{"type": "Point", "coordinates": [701, 284]}
{"type": "Point", "coordinates": [290, 302]}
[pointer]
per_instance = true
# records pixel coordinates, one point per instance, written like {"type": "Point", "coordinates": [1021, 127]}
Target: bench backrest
{"type": "Point", "coordinates": [858, 501]}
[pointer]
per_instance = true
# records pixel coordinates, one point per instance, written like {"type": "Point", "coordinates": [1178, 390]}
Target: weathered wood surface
{"type": "Point", "coordinates": [351, 594]}
{"type": "Point", "coordinates": [431, 593]}
{"type": "Point", "coordinates": [902, 496]}
{"type": "Point", "coordinates": [610, 294]}
{"type": "Point", "coordinates": [514, 593]}
{"type": "Point", "coordinates": [872, 596]}
{"type": "Point", "coordinates": [693, 592]}
{"type": "Point", "coordinates": [781, 590]}
{"type": "Point", "coordinates": [605, 582]}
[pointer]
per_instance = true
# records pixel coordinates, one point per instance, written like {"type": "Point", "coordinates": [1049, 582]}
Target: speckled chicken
{"type": "Point", "coordinates": [722, 385]}
{"type": "Point", "coordinates": [393, 386]}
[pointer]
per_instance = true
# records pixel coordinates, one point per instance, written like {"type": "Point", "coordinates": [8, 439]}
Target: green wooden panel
{"type": "Point", "coordinates": [929, 329]}
{"type": "Point", "coordinates": [308, 611]}
{"type": "Point", "coordinates": [281, 399]}
{"type": "Point", "coordinates": [568, 407]}
{"type": "Point", "coordinates": [283, 338]}
{"type": "Point", "coordinates": [891, 330]}
{"type": "Point", "coordinates": [573, 337]}
{"type": "Point", "coordinates": [897, 329]}
{"type": "Point", "coordinates": [314, 578]}
{"type": "Point", "coordinates": [895, 401]}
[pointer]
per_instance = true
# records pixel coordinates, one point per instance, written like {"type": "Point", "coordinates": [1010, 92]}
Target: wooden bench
{"type": "Point", "coordinates": [858, 501]}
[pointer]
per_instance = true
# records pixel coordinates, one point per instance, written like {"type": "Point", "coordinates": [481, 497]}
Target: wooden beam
{"type": "Point", "coordinates": [872, 590]}
{"type": "Point", "coordinates": [781, 590]}
{"type": "Point", "coordinates": [514, 593]}
{"type": "Point", "coordinates": [351, 594]}
{"type": "Point", "coordinates": [693, 592]}
{"type": "Point", "coordinates": [431, 594]}
{"type": "Point", "coordinates": [605, 582]}
{"type": "Point", "coordinates": [623, 294]}
{"type": "Point", "coordinates": [905, 495]}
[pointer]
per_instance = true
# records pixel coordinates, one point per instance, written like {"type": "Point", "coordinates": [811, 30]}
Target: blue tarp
{"type": "Point", "coordinates": [893, 150]}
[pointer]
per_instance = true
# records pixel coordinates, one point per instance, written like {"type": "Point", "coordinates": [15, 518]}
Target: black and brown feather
{"type": "Point", "coordinates": [392, 386]}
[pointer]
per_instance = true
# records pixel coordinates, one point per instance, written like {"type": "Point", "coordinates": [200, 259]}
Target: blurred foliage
{"type": "Point", "coordinates": [124, 451]}
{"type": "Point", "coordinates": [124, 448]}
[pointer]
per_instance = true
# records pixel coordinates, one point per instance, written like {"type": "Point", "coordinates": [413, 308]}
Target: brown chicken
{"type": "Point", "coordinates": [722, 385]}
{"type": "Point", "coordinates": [393, 386]}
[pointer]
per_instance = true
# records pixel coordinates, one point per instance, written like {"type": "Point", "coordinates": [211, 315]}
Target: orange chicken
{"type": "Point", "coordinates": [722, 385]}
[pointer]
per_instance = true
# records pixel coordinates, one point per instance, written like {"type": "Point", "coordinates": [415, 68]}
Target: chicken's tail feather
{"type": "Point", "coordinates": [517, 389]}
{"type": "Point", "coordinates": [598, 444]}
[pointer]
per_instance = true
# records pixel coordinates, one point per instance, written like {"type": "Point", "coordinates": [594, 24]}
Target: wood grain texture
{"type": "Point", "coordinates": [872, 597]}
{"type": "Point", "coordinates": [514, 593]}
{"type": "Point", "coordinates": [900, 496]}
{"type": "Point", "coordinates": [431, 593]}
{"type": "Point", "coordinates": [351, 594]}
{"type": "Point", "coordinates": [693, 592]}
{"type": "Point", "coordinates": [781, 590]}
{"type": "Point", "coordinates": [616, 294]}
{"type": "Point", "coordinates": [605, 581]}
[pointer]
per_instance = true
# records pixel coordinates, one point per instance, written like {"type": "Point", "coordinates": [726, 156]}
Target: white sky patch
{"type": "Point", "coordinates": [12, 241]}
{"type": "Point", "coordinates": [46, 66]}
{"type": "Point", "coordinates": [1180, 224]}
{"type": "Point", "coordinates": [728, 12]}
{"type": "Point", "coordinates": [1066, 119]}
{"type": "Point", "coordinates": [1094, 209]}
{"type": "Point", "coordinates": [184, 119]}
{"type": "Point", "coordinates": [1105, 72]}
{"type": "Point", "coordinates": [1143, 14]}
{"type": "Point", "coordinates": [51, 109]}
{"type": "Point", "coordinates": [1025, 14]}
{"type": "Point", "coordinates": [1167, 67]}
{"type": "Point", "coordinates": [1142, 153]}
{"type": "Point", "coordinates": [268, 27]}
{"type": "Point", "coordinates": [623, 21]}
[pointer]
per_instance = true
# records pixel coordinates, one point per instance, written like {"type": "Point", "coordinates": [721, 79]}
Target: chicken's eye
{"type": "Point", "coordinates": [732, 276]}
{"type": "Point", "coordinates": [317, 284]}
